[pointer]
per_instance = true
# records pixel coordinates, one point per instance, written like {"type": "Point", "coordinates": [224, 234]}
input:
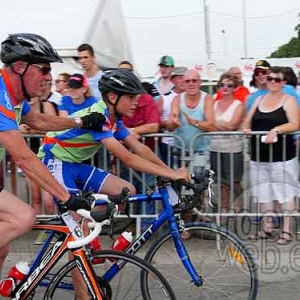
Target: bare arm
{"type": "Point", "coordinates": [235, 122]}
{"type": "Point", "coordinates": [292, 111]}
{"type": "Point", "coordinates": [146, 128]}
{"type": "Point", "coordinates": [247, 122]}
{"type": "Point", "coordinates": [208, 123]}
{"type": "Point", "coordinates": [43, 122]}
{"type": "Point", "coordinates": [63, 113]}
{"type": "Point", "coordinates": [174, 121]}
{"type": "Point", "coordinates": [139, 163]}
{"type": "Point", "coordinates": [15, 144]}
{"type": "Point", "coordinates": [142, 150]}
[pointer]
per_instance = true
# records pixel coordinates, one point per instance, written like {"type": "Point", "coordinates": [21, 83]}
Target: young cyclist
{"type": "Point", "coordinates": [64, 151]}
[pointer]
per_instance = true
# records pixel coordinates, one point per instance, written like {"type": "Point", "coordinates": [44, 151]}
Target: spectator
{"type": "Point", "coordinates": [87, 59]}
{"type": "Point", "coordinates": [164, 84]}
{"type": "Point", "coordinates": [228, 113]}
{"type": "Point", "coordinates": [274, 174]}
{"type": "Point", "coordinates": [125, 64]}
{"type": "Point", "coordinates": [80, 96]}
{"type": "Point", "coordinates": [61, 84]}
{"type": "Point", "coordinates": [259, 80]}
{"type": "Point", "coordinates": [164, 105]}
{"type": "Point", "coordinates": [192, 113]}
{"type": "Point", "coordinates": [241, 92]}
{"type": "Point", "coordinates": [291, 80]}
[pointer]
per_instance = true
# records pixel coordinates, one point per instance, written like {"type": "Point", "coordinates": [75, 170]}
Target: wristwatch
{"type": "Point", "coordinates": [196, 124]}
{"type": "Point", "coordinates": [78, 122]}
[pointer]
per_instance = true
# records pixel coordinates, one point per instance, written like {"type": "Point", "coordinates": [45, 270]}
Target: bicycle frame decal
{"type": "Point", "coordinates": [86, 273]}
{"type": "Point", "coordinates": [48, 261]}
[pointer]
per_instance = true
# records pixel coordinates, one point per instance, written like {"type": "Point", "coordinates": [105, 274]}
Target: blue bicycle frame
{"type": "Point", "coordinates": [165, 215]}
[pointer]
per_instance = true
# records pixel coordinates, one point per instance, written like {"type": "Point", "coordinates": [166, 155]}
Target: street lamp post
{"type": "Point", "coordinates": [207, 30]}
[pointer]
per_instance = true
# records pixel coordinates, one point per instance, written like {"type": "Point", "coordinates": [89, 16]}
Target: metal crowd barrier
{"type": "Point", "coordinates": [176, 157]}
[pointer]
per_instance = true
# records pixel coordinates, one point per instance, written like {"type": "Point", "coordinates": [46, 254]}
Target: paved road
{"type": "Point", "coordinates": [279, 266]}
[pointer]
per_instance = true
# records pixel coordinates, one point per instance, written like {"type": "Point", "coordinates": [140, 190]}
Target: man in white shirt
{"type": "Point", "coordinates": [87, 59]}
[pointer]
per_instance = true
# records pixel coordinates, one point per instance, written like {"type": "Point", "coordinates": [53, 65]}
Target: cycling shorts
{"type": "Point", "coordinates": [75, 177]}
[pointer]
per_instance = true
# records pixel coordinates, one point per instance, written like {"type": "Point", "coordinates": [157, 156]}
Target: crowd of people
{"type": "Point", "coordinates": [87, 111]}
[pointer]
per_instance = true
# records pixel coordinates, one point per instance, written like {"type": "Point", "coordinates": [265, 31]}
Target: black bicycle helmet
{"type": "Point", "coordinates": [27, 47]}
{"type": "Point", "coordinates": [121, 82]}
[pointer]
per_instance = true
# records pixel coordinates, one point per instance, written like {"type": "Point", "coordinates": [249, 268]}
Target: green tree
{"type": "Point", "coordinates": [291, 49]}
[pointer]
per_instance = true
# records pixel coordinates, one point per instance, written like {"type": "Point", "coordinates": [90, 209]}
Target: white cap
{"type": "Point", "coordinates": [23, 267]}
{"type": "Point", "coordinates": [128, 236]}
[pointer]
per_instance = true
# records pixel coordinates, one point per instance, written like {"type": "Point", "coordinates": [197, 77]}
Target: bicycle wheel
{"type": "Point", "coordinates": [124, 285]}
{"type": "Point", "coordinates": [224, 262]}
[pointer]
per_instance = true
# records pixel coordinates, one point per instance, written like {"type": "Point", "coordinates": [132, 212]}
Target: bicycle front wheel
{"type": "Point", "coordinates": [125, 284]}
{"type": "Point", "coordinates": [222, 260]}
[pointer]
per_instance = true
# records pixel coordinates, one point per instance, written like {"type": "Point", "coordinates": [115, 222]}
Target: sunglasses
{"type": "Point", "coordinates": [275, 79]}
{"type": "Point", "coordinates": [228, 85]}
{"type": "Point", "coordinates": [191, 80]}
{"type": "Point", "coordinates": [260, 72]}
{"type": "Point", "coordinates": [44, 69]}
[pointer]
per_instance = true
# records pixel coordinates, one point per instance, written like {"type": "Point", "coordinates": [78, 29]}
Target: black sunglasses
{"type": "Point", "coordinates": [44, 69]}
{"type": "Point", "coordinates": [262, 72]}
{"type": "Point", "coordinates": [276, 79]}
{"type": "Point", "coordinates": [228, 85]}
{"type": "Point", "coordinates": [191, 80]}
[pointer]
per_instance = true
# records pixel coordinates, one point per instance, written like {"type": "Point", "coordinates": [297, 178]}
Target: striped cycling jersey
{"type": "Point", "coordinates": [77, 144]}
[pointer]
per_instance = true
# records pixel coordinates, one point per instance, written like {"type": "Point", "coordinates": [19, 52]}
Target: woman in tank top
{"type": "Point", "coordinates": [227, 150]}
{"type": "Point", "coordinates": [274, 167]}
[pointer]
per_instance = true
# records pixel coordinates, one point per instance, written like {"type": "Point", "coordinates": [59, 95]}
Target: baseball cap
{"type": "Point", "coordinates": [77, 81]}
{"type": "Point", "coordinates": [262, 64]}
{"type": "Point", "coordinates": [167, 61]}
{"type": "Point", "coordinates": [179, 71]}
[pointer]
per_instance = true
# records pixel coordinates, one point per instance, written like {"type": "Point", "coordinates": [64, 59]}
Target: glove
{"type": "Point", "coordinates": [78, 202]}
{"type": "Point", "coordinates": [93, 121]}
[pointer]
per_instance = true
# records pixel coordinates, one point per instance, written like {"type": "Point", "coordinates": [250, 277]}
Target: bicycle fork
{"type": "Point", "coordinates": [183, 254]}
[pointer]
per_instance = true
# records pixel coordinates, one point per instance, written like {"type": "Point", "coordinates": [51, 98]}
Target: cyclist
{"type": "Point", "coordinates": [64, 151]}
{"type": "Point", "coordinates": [26, 58]}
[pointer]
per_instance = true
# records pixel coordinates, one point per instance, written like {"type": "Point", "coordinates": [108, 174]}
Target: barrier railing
{"type": "Point", "coordinates": [240, 202]}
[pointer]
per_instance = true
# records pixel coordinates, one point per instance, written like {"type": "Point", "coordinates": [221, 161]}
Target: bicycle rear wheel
{"type": "Point", "coordinates": [220, 258]}
{"type": "Point", "coordinates": [123, 285]}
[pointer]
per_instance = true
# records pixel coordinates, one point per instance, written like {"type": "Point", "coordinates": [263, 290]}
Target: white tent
{"type": "Point", "coordinates": [69, 23]}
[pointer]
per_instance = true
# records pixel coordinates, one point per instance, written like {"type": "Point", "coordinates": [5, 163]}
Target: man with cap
{"type": "Point", "coordinates": [164, 84]}
{"type": "Point", "coordinates": [164, 105]}
{"type": "Point", "coordinates": [26, 58]}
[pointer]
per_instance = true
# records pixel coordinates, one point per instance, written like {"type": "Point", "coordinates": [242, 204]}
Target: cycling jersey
{"type": "Point", "coordinates": [77, 144]}
{"type": "Point", "coordinates": [9, 115]}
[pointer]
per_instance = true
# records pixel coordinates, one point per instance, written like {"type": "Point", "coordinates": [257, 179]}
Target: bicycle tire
{"type": "Point", "coordinates": [236, 277]}
{"type": "Point", "coordinates": [160, 288]}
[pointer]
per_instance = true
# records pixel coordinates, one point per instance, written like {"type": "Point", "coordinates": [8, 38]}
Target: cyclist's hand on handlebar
{"type": "Point", "coordinates": [78, 202]}
{"type": "Point", "coordinates": [182, 173]}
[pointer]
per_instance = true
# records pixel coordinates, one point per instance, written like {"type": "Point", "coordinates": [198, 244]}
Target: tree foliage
{"type": "Point", "coordinates": [291, 49]}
